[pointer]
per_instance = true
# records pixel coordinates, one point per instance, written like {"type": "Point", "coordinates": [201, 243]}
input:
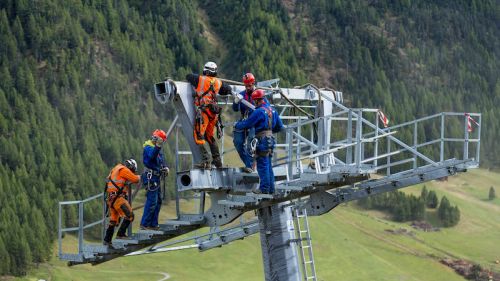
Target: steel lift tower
{"type": "Point", "coordinates": [324, 157]}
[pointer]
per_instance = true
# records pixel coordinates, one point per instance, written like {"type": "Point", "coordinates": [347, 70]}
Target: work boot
{"type": "Point", "coordinates": [109, 235]}
{"type": "Point", "coordinates": [256, 190]}
{"type": "Point", "coordinates": [123, 228]}
{"type": "Point", "coordinates": [214, 149]}
{"type": "Point", "coordinates": [217, 162]}
{"type": "Point", "coordinates": [247, 170]}
{"type": "Point", "coordinates": [202, 165]}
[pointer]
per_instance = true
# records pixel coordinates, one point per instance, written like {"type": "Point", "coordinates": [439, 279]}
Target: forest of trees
{"type": "Point", "coordinates": [408, 207]}
{"type": "Point", "coordinates": [76, 79]}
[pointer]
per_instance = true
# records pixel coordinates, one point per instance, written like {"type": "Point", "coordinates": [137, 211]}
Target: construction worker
{"type": "Point", "coordinates": [266, 121]}
{"type": "Point", "coordinates": [155, 171]}
{"type": "Point", "coordinates": [118, 189]}
{"type": "Point", "coordinates": [242, 138]}
{"type": "Point", "coordinates": [206, 88]}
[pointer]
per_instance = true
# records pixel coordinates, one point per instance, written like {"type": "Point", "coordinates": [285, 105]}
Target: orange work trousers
{"type": "Point", "coordinates": [206, 130]}
{"type": "Point", "coordinates": [120, 209]}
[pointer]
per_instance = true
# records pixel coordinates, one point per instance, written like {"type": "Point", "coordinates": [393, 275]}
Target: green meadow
{"type": "Point", "coordinates": [349, 244]}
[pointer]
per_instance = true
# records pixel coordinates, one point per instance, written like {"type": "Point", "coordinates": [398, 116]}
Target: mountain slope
{"type": "Point", "coordinates": [349, 244]}
{"type": "Point", "coordinates": [76, 76]}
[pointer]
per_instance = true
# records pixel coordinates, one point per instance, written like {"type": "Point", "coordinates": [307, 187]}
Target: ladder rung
{"type": "Point", "coordinates": [302, 231]}
{"type": "Point", "coordinates": [305, 247]}
{"type": "Point", "coordinates": [307, 262]}
{"type": "Point", "coordinates": [311, 277]}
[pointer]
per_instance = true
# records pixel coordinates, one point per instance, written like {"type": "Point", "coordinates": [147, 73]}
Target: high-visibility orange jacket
{"type": "Point", "coordinates": [206, 91]}
{"type": "Point", "coordinates": [122, 177]}
{"type": "Point", "coordinates": [201, 84]}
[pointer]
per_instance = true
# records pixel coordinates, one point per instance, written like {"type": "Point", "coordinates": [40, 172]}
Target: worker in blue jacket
{"type": "Point", "coordinates": [242, 138]}
{"type": "Point", "coordinates": [266, 121]}
{"type": "Point", "coordinates": [156, 170]}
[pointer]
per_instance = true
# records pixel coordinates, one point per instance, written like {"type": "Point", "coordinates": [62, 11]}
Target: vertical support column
{"type": "Point", "coordinates": [279, 252]}
{"type": "Point", "coordinates": [201, 207]}
{"type": "Point", "coordinates": [375, 163]}
{"type": "Point", "coordinates": [289, 137]}
{"type": "Point", "coordinates": [415, 142]}
{"type": "Point", "coordinates": [299, 148]}
{"type": "Point", "coordinates": [466, 138]}
{"type": "Point", "coordinates": [388, 152]}
{"type": "Point", "coordinates": [177, 166]}
{"type": "Point", "coordinates": [59, 232]}
{"type": "Point", "coordinates": [104, 217]}
{"type": "Point", "coordinates": [478, 138]}
{"type": "Point", "coordinates": [80, 227]}
{"type": "Point", "coordinates": [359, 133]}
{"type": "Point", "coordinates": [441, 152]}
{"type": "Point", "coordinates": [349, 138]}
{"type": "Point", "coordinates": [222, 145]}
{"type": "Point", "coordinates": [129, 228]}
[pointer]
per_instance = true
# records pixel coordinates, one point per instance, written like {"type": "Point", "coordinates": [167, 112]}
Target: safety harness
{"type": "Point", "coordinates": [149, 175]}
{"type": "Point", "coordinates": [200, 98]}
{"type": "Point", "coordinates": [153, 186]}
{"type": "Point", "coordinates": [203, 106]}
{"type": "Point", "coordinates": [113, 195]}
{"type": "Point", "coordinates": [268, 134]}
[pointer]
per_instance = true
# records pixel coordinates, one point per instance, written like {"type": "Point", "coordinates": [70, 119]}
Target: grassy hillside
{"type": "Point", "coordinates": [349, 244]}
{"type": "Point", "coordinates": [76, 77]}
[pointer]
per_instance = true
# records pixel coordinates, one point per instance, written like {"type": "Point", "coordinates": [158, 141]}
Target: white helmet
{"type": "Point", "coordinates": [210, 69]}
{"type": "Point", "coordinates": [131, 164]}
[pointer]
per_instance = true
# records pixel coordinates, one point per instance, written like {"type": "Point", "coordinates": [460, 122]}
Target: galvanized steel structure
{"type": "Point", "coordinates": [322, 159]}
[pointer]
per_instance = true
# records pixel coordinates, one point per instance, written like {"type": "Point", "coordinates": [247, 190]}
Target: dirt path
{"type": "Point", "coordinates": [392, 243]}
{"type": "Point", "coordinates": [400, 246]}
{"type": "Point", "coordinates": [165, 276]}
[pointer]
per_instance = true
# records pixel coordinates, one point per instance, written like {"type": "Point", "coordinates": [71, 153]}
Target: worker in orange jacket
{"type": "Point", "coordinates": [118, 189]}
{"type": "Point", "coordinates": [207, 87]}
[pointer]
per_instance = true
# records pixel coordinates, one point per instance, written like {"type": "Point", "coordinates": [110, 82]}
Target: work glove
{"type": "Point", "coordinates": [237, 98]}
{"type": "Point", "coordinates": [165, 171]}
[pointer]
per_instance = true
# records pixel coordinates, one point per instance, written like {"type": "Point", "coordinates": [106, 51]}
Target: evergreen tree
{"type": "Point", "coordinates": [424, 194]}
{"type": "Point", "coordinates": [4, 259]}
{"type": "Point", "coordinates": [432, 200]}
{"type": "Point", "coordinates": [492, 194]}
{"type": "Point", "coordinates": [448, 215]}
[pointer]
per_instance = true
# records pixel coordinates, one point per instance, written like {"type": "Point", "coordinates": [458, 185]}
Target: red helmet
{"type": "Point", "coordinates": [258, 94]}
{"type": "Point", "coordinates": [160, 134]}
{"type": "Point", "coordinates": [248, 79]}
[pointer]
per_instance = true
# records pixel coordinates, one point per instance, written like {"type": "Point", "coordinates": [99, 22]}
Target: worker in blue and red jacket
{"type": "Point", "coordinates": [242, 138]}
{"type": "Point", "coordinates": [156, 170]}
{"type": "Point", "coordinates": [266, 121]}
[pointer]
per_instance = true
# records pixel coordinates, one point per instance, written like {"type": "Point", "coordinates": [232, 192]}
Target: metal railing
{"type": "Point", "coordinates": [360, 132]}
{"type": "Point", "coordinates": [81, 224]}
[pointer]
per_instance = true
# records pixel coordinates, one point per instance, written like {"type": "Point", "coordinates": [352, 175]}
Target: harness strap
{"type": "Point", "coordinates": [120, 190]}
{"type": "Point", "coordinates": [270, 117]}
{"type": "Point", "coordinates": [265, 133]}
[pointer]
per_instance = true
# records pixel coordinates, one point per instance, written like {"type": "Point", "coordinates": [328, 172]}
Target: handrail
{"type": "Point", "coordinates": [81, 224]}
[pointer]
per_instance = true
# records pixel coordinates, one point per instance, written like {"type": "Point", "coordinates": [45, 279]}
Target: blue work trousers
{"type": "Point", "coordinates": [264, 164]}
{"type": "Point", "coordinates": [152, 208]}
{"type": "Point", "coordinates": [241, 140]}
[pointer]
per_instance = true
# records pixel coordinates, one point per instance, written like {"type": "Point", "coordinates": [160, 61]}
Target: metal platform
{"type": "Point", "coordinates": [322, 159]}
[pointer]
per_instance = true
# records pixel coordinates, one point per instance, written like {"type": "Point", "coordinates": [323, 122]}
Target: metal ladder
{"type": "Point", "coordinates": [305, 244]}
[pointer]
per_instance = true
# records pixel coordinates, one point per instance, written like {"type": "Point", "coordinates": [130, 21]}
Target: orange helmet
{"type": "Point", "coordinates": [248, 79]}
{"type": "Point", "coordinates": [160, 134]}
{"type": "Point", "coordinates": [258, 94]}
